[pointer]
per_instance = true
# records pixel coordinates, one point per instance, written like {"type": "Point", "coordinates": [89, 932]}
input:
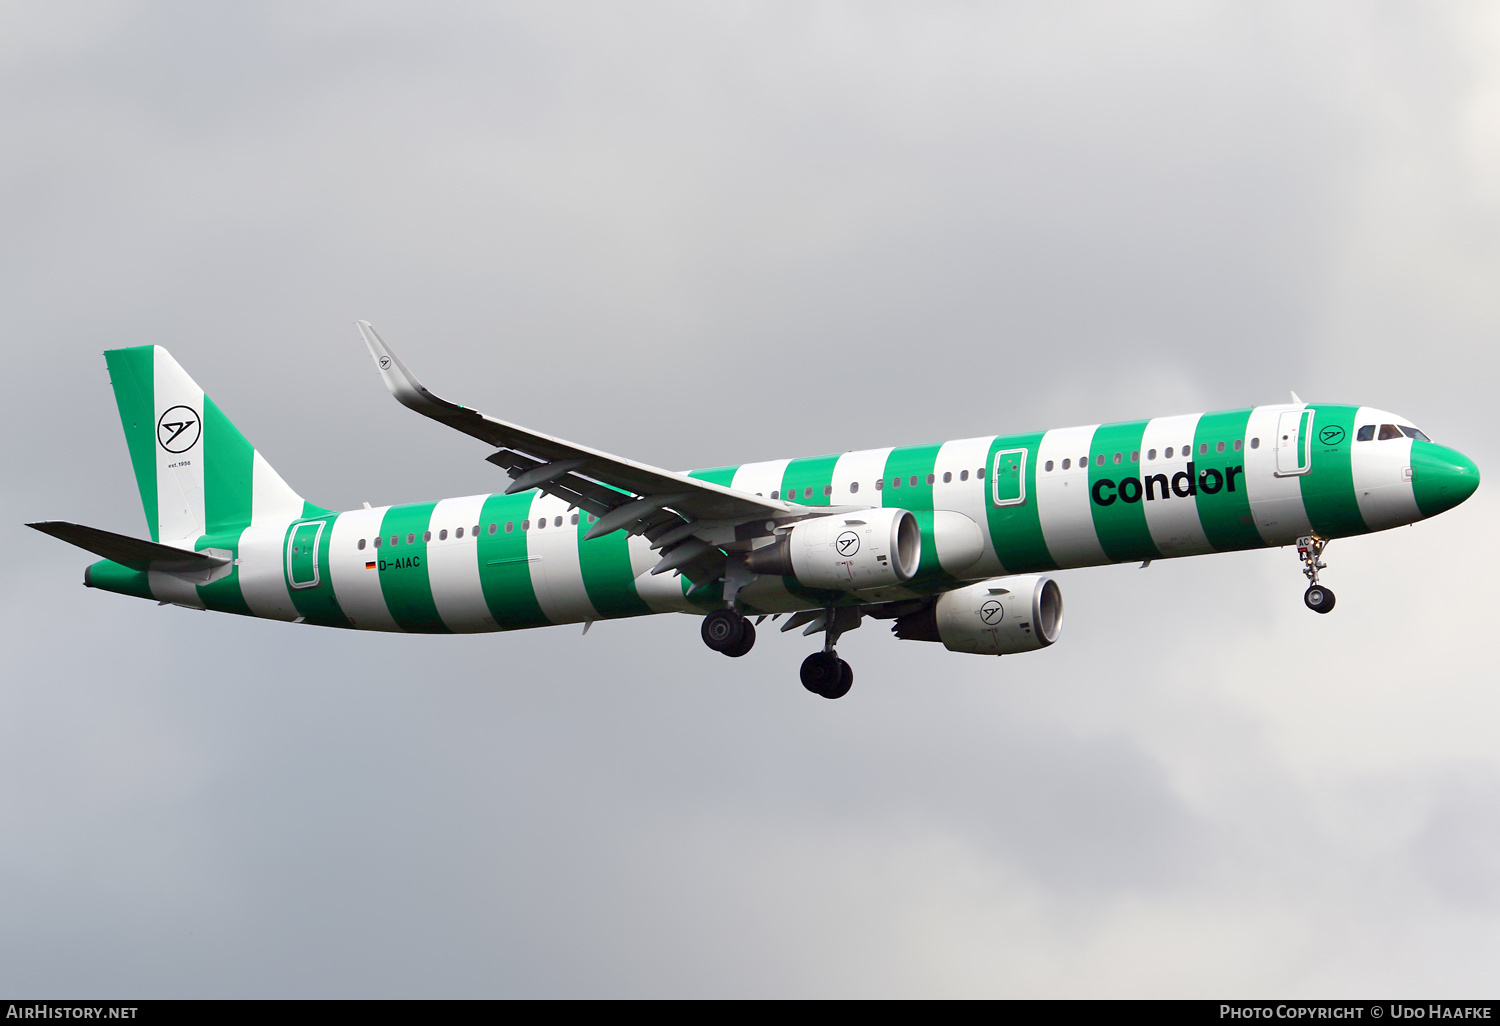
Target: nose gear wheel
{"type": "Point", "coordinates": [1310, 550]}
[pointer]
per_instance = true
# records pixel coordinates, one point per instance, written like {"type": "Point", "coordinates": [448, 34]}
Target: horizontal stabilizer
{"type": "Point", "coordinates": [127, 551]}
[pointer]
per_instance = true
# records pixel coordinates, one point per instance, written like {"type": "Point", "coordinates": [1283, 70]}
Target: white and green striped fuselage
{"type": "Point", "coordinates": [987, 507]}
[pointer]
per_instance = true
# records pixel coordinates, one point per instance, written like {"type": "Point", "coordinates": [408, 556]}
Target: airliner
{"type": "Point", "coordinates": [954, 542]}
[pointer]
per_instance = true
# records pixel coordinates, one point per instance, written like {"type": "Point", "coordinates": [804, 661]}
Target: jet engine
{"type": "Point", "coordinates": [872, 548]}
{"type": "Point", "coordinates": [998, 617]}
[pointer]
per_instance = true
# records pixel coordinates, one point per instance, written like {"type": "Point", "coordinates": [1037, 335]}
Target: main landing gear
{"type": "Point", "coordinates": [823, 673]}
{"type": "Point", "coordinates": [728, 631]}
{"type": "Point", "coordinates": [1310, 550]}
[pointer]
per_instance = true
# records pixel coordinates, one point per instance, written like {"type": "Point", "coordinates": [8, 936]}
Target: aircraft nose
{"type": "Point", "coordinates": [1441, 477]}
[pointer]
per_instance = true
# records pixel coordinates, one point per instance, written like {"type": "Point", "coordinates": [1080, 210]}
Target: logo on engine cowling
{"type": "Point", "coordinates": [847, 543]}
{"type": "Point", "coordinates": [992, 612]}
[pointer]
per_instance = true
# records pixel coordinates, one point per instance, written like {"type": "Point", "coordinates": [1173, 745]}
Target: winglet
{"type": "Point", "coordinates": [403, 384]}
{"type": "Point", "coordinates": [1297, 399]}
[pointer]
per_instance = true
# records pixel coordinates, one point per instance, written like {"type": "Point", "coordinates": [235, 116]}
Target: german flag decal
{"type": "Point", "coordinates": [369, 566]}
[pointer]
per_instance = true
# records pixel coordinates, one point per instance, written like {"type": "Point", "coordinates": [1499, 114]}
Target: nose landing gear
{"type": "Point", "coordinates": [1310, 550]}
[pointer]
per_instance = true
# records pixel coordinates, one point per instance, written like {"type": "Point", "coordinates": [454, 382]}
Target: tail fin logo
{"type": "Point", "coordinates": [178, 429]}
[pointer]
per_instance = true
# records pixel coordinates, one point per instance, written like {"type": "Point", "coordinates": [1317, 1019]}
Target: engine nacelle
{"type": "Point", "coordinates": [998, 617]}
{"type": "Point", "coordinates": [873, 548]}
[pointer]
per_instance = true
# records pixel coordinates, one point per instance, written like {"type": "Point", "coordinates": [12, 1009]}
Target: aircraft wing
{"type": "Point", "coordinates": [623, 494]}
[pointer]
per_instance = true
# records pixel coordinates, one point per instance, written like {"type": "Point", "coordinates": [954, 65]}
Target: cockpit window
{"type": "Point", "coordinates": [1366, 433]}
{"type": "Point", "coordinates": [1412, 432]}
{"type": "Point", "coordinates": [1389, 431]}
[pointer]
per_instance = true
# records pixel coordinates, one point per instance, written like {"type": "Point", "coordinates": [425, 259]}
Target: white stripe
{"type": "Point", "coordinates": [967, 497]}
{"type": "Point", "coordinates": [453, 566]}
{"type": "Point", "coordinates": [262, 571]}
{"type": "Point", "coordinates": [179, 475]}
{"type": "Point", "coordinates": [556, 573]}
{"type": "Point", "coordinates": [1173, 520]}
{"type": "Point", "coordinates": [863, 468]}
{"type": "Point", "coordinates": [1062, 498]}
{"type": "Point", "coordinates": [271, 499]}
{"type": "Point", "coordinates": [1275, 502]}
{"type": "Point", "coordinates": [1382, 475]}
{"type": "Point", "coordinates": [760, 478]}
{"type": "Point", "coordinates": [356, 588]}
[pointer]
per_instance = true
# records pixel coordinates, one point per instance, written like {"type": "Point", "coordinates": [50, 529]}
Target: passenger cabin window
{"type": "Point", "coordinates": [1366, 433]}
{"type": "Point", "coordinates": [1067, 463]}
{"type": "Point", "coordinates": [1412, 432]}
{"type": "Point", "coordinates": [1255, 443]}
{"type": "Point", "coordinates": [557, 521]}
{"type": "Point", "coordinates": [492, 528]}
{"type": "Point", "coordinates": [895, 482]}
{"type": "Point", "coordinates": [575, 519]}
{"type": "Point", "coordinates": [979, 473]}
{"type": "Point", "coordinates": [1389, 431]}
{"type": "Point", "coordinates": [526, 525]}
{"type": "Point", "coordinates": [775, 493]}
{"type": "Point", "coordinates": [427, 536]}
{"type": "Point", "coordinates": [947, 477]}
{"type": "Point", "coordinates": [361, 543]}
{"type": "Point", "coordinates": [1169, 452]}
{"type": "Point", "coordinates": [1150, 455]}
{"type": "Point", "coordinates": [931, 478]}
{"type": "Point", "coordinates": [879, 484]}
{"type": "Point", "coordinates": [510, 526]}
{"type": "Point", "coordinates": [963, 475]}
{"type": "Point", "coordinates": [443, 534]}
{"type": "Point", "coordinates": [827, 490]}
{"type": "Point", "coordinates": [1135, 456]}
{"type": "Point", "coordinates": [1047, 468]}
{"type": "Point", "coordinates": [853, 487]}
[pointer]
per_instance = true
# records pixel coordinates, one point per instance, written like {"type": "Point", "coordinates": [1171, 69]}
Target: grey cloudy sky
{"type": "Point", "coordinates": [699, 235]}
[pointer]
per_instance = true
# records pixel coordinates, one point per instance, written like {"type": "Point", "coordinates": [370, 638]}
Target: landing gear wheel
{"type": "Point", "coordinates": [825, 674]}
{"type": "Point", "coordinates": [723, 629]}
{"type": "Point", "coordinates": [1319, 599]}
{"type": "Point", "coordinates": [745, 644]}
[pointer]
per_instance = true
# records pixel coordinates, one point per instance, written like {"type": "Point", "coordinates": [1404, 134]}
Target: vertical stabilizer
{"type": "Point", "coordinates": [196, 472]}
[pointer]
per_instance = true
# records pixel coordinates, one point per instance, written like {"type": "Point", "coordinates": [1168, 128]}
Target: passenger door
{"type": "Point", "coordinates": [1294, 443]}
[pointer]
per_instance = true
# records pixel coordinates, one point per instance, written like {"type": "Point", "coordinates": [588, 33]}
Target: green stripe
{"type": "Point", "coordinates": [402, 564]}
{"type": "Point", "coordinates": [1328, 486]}
{"type": "Point", "coordinates": [318, 604]}
{"type": "Point", "coordinates": [132, 373]}
{"type": "Point", "coordinates": [903, 464]}
{"type": "Point", "coordinates": [110, 576]}
{"type": "Point", "coordinates": [1119, 513]}
{"type": "Point", "coordinates": [1016, 531]}
{"type": "Point", "coordinates": [228, 471]}
{"type": "Point", "coordinates": [814, 473]}
{"type": "Point", "coordinates": [608, 578]}
{"type": "Point", "coordinates": [1225, 514]}
{"type": "Point", "coordinates": [504, 570]}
